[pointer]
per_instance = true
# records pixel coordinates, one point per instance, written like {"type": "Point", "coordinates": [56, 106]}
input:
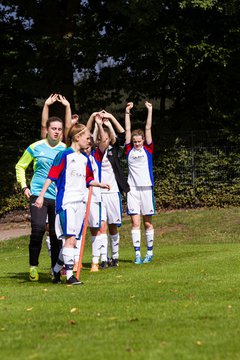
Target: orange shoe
{"type": "Point", "coordinates": [94, 267]}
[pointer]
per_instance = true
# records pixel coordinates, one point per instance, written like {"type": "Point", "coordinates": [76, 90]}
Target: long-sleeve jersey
{"type": "Point", "coordinates": [72, 172]}
{"type": "Point", "coordinates": [42, 156]}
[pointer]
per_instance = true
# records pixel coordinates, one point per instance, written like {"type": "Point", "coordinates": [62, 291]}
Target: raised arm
{"type": "Point", "coordinates": [68, 113]}
{"type": "Point", "coordinates": [117, 126]}
{"type": "Point", "coordinates": [45, 113]}
{"type": "Point", "coordinates": [100, 133]}
{"type": "Point", "coordinates": [95, 134]}
{"type": "Point", "coordinates": [128, 123]}
{"type": "Point", "coordinates": [148, 126]}
{"type": "Point", "coordinates": [112, 133]}
{"type": "Point", "coordinates": [91, 120]}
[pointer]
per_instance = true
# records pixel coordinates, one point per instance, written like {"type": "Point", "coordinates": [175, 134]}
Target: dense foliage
{"type": "Point", "coordinates": [181, 55]}
{"type": "Point", "coordinates": [185, 177]}
{"type": "Point", "coordinates": [185, 54]}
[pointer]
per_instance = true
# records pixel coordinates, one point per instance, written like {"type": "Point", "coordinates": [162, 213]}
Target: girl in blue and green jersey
{"type": "Point", "coordinates": [42, 154]}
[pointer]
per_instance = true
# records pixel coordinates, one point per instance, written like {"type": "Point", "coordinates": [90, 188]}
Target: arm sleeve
{"type": "Point", "coordinates": [89, 173]}
{"type": "Point", "coordinates": [21, 167]}
{"type": "Point", "coordinates": [128, 148]}
{"type": "Point", "coordinates": [57, 166]}
{"type": "Point", "coordinates": [98, 155]}
{"type": "Point", "coordinates": [149, 147]}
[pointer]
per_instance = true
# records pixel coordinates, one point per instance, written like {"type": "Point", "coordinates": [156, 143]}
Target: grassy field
{"type": "Point", "coordinates": [184, 305]}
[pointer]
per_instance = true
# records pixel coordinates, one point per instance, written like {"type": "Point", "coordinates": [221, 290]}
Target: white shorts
{"type": "Point", "coordinates": [140, 200]}
{"type": "Point", "coordinates": [112, 208]}
{"type": "Point", "coordinates": [94, 217]}
{"type": "Point", "coordinates": [69, 222]}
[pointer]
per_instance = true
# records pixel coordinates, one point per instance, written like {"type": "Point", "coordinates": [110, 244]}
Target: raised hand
{"type": "Point", "coordinates": [129, 106]}
{"type": "Point", "coordinates": [51, 99]}
{"type": "Point", "coordinates": [62, 100]}
{"type": "Point", "coordinates": [98, 118]}
{"type": "Point", "coordinates": [148, 105]}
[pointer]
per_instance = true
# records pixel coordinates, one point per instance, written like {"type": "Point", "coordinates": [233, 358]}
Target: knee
{"type": "Point", "coordinates": [104, 227]}
{"type": "Point", "coordinates": [135, 224]}
{"type": "Point", "coordinates": [148, 226]}
{"type": "Point", "coordinates": [38, 229]}
{"type": "Point", "coordinates": [113, 230]}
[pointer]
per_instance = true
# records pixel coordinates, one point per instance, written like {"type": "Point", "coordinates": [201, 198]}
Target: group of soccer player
{"type": "Point", "coordinates": [62, 176]}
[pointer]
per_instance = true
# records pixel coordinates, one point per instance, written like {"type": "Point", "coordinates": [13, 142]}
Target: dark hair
{"type": "Point", "coordinates": [52, 119]}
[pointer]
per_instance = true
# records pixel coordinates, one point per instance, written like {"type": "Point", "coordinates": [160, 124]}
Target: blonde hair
{"type": "Point", "coordinates": [76, 129]}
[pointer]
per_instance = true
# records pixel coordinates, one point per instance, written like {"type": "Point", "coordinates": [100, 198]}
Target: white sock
{"type": "Point", "coordinates": [136, 239]}
{"type": "Point", "coordinates": [48, 244]}
{"type": "Point", "coordinates": [77, 249]}
{"type": "Point", "coordinates": [68, 258]}
{"type": "Point", "coordinates": [96, 248]}
{"type": "Point", "coordinates": [104, 247]}
{"type": "Point", "coordinates": [115, 245]}
{"type": "Point", "coordinates": [59, 264]}
{"type": "Point", "coordinates": [149, 241]}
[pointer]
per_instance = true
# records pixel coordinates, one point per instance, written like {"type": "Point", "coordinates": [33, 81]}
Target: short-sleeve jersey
{"type": "Point", "coordinates": [140, 165]}
{"type": "Point", "coordinates": [71, 172]}
{"type": "Point", "coordinates": [95, 158]}
{"type": "Point", "coordinates": [108, 176]}
{"type": "Point", "coordinates": [42, 155]}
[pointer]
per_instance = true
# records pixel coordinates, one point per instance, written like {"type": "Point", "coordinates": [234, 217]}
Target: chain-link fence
{"type": "Point", "coordinates": [190, 168]}
{"type": "Point", "coordinates": [211, 156]}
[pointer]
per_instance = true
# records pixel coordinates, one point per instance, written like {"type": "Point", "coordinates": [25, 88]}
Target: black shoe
{"type": "Point", "coordinates": [103, 265]}
{"type": "Point", "coordinates": [74, 281]}
{"type": "Point", "coordinates": [56, 278]}
{"type": "Point", "coordinates": [114, 263]}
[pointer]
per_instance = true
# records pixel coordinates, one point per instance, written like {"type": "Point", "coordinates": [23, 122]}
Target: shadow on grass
{"type": "Point", "coordinates": [46, 277]}
{"type": "Point", "coordinates": [125, 261]}
{"type": "Point", "coordinates": [23, 277]}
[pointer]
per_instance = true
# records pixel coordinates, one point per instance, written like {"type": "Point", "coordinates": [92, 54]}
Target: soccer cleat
{"type": "Point", "coordinates": [94, 267]}
{"type": "Point", "coordinates": [138, 260]}
{"type": "Point", "coordinates": [103, 265]}
{"type": "Point", "coordinates": [63, 271]}
{"type": "Point", "coordinates": [147, 259]}
{"type": "Point", "coordinates": [73, 281]}
{"type": "Point", "coordinates": [56, 277]}
{"type": "Point", "coordinates": [33, 273]}
{"type": "Point", "coordinates": [114, 263]}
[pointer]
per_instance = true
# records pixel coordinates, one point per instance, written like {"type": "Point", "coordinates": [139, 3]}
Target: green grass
{"type": "Point", "coordinates": [184, 305]}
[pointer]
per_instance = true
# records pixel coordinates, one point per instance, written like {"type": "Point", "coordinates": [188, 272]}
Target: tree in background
{"type": "Point", "coordinates": [182, 54]}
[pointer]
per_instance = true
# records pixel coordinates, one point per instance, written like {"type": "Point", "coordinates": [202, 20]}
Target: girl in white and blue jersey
{"type": "Point", "coordinates": [140, 198]}
{"type": "Point", "coordinates": [95, 154]}
{"type": "Point", "coordinates": [72, 173]}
